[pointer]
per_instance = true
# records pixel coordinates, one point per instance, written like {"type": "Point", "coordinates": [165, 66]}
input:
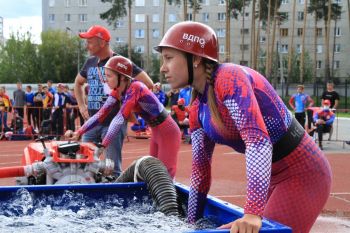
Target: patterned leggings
{"type": "Point", "coordinates": [165, 144]}
{"type": "Point", "coordinates": [300, 187]}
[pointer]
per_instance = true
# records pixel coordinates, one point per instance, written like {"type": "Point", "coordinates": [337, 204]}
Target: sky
{"type": "Point", "coordinates": [22, 16]}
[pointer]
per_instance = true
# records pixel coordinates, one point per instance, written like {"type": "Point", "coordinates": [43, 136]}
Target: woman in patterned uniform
{"type": "Point", "coordinates": [288, 176]}
{"type": "Point", "coordinates": [136, 97]}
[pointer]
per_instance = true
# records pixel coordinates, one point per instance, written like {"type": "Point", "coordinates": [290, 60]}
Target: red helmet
{"type": "Point", "coordinates": [327, 102]}
{"type": "Point", "coordinates": [191, 37]}
{"type": "Point", "coordinates": [120, 65]}
{"type": "Point", "coordinates": [181, 101]}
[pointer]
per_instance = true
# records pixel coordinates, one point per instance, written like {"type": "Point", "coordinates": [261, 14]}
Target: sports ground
{"type": "Point", "coordinates": [228, 168]}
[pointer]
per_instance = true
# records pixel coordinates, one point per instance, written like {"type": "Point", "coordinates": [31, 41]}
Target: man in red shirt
{"type": "Point", "coordinates": [180, 114]}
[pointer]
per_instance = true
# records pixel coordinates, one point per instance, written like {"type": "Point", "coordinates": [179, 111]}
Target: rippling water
{"type": "Point", "coordinates": [74, 212]}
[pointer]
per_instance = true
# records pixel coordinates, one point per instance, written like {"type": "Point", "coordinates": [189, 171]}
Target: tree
{"type": "Point", "coordinates": [233, 7]}
{"type": "Point", "coordinates": [326, 10]}
{"type": "Point", "coordinates": [135, 57]}
{"type": "Point", "coordinates": [301, 79]}
{"type": "Point", "coordinates": [58, 56]}
{"type": "Point", "coordinates": [19, 59]}
{"type": "Point", "coordinates": [117, 11]}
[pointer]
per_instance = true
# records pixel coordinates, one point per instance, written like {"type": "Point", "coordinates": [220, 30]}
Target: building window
{"type": "Point", "coordinates": [140, 3]}
{"type": "Point", "coordinates": [319, 49]}
{"type": "Point", "coordinates": [172, 18]}
{"type": "Point", "coordinates": [283, 16]}
{"type": "Point", "coordinates": [301, 1]}
{"type": "Point", "coordinates": [51, 3]}
{"type": "Point", "coordinates": [222, 2]}
{"type": "Point", "coordinates": [189, 16]}
{"type": "Point", "coordinates": [300, 31]}
{"type": "Point", "coordinates": [338, 1]}
{"type": "Point", "coordinates": [83, 17]}
{"type": "Point", "coordinates": [204, 2]}
{"type": "Point", "coordinates": [119, 40]}
{"type": "Point", "coordinates": [318, 64]}
{"type": "Point", "coordinates": [51, 18]}
{"type": "Point", "coordinates": [221, 32]}
{"type": "Point", "coordinates": [82, 2]}
{"type": "Point", "coordinates": [139, 18]}
{"type": "Point", "coordinates": [319, 32]}
{"type": "Point", "coordinates": [222, 49]}
{"type": "Point", "coordinates": [155, 33]}
{"type": "Point", "coordinates": [337, 48]}
{"type": "Point", "coordinates": [155, 18]}
{"type": "Point", "coordinates": [67, 3]}
{"type": "Point", "coordinates": [221, 16]}
{"type": "Point", "coordinates": [139, 33]}
{"type": "Point", "coordinates": [284, 32]}
{"type": "Point", "coordinates": [119, 24]}
{"type": "Point", "coordinates": [139, 49]}
{"type": "Point", "coordinates": [243, 63]}
{"type": "Point", "coordinates": [299, 48]}
{"type": "Point", "coordinates": [245, 31]}
{"type": "Point", "coordinates": [337, 31]}
{"type": "Point", "coordinates": [262, 39]}
{"type": "Point", "coordinates": [285, 1]}
{"type": "Point", "coordinates": [336, 64]}
{"type": "Point", "coordinates": [284, 48]}
{"type": "Point", "coordinates": [205, 17]}
{"type": "Point", "coordinates": [244, 47]}
{"type": "Point", "coordinates": [66, 17]}
{"type": "Point", "coordinates": [155, 2]}
{"type": "Point", "coordinates": [300, 15]}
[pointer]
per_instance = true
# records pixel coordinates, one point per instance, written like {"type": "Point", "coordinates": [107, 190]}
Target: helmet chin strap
{"type": "Point", "coordinates": [190, 68]}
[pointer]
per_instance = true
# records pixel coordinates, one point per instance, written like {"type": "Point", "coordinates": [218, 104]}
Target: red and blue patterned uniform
{"type": "Point", "coordinates": [254, 118]}
{"type": "Point", "coordinates": [140, 100]}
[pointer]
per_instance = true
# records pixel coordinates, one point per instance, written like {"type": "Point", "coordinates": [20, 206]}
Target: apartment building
{"type": "Point", "coordinates": [151, 18]}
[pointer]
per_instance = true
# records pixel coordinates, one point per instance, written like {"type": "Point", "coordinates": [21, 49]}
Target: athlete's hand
{"type": "Point", "coordinates": [70, 135]}
{"type": "Point", "coordinates": [249, 223]}
{"type": "Point", "coordinates": [84, 111]}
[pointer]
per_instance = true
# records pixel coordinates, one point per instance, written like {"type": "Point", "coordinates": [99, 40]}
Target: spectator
{"type": "Point", "coordinates": [59, 103]}
{"type": "Point", "coordinates": [38, 107]}
{"type": "Point", "coordinates": [5, 107]}
{"type": "Point", "coordinates": [30, 104]}
{"type": "Point", "coordinates": [186, 93]}
{"type": "Point", "coordinates": [324, 119]}
{"type": "Point", "coordinates": [157, 90]}
{"type": "Point", "coordinates": [331, 95]}
{"type": "Point", "coordinates": [298, 103]}
{"type": "Point", "coordinates": [47, 103]}
{"type": "Point", "coordinates": [180, 115]}
{"type": "Point", "coordinates": [19, 96]}
{"type": "Point", "coordinates": [173, 96]}
{"type": "Point", "coordinates": [50, 87]}
{"type": "Point", "coordinates": [93, 73]}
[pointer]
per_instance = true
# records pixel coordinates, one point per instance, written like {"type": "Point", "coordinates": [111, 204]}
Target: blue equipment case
{"type": "Point", "coordinates": [217, 210]}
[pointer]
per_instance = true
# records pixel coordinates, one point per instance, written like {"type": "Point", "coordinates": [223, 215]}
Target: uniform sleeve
{"type": "Point", "coordinates": [113, 129]}
{"type": "Point", "coordinates": [100, 116]}
{"type": "Point", "coordinates": [202, 150]}
{"type": "Point", "coordinates": [237, 94]}
{"type": "Point", "coordinates": [331, 119]}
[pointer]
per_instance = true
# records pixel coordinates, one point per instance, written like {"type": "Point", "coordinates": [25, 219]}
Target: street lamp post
{"type": "Point", "coordinates": [78, 53]}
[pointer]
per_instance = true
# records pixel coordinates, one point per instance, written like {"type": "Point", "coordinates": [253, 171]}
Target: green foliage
{"type": "Point", "coordinates": [56, 58]}
{"type": "Point", "coordinates": [117, 11]}
{"type": "Point", "coordinates": [135, 57]}
{"type": "Point", "coordinates": [320, 8]}
{"type": "Point", "coordinates": [18, 59]}
{"type": "Point", "coordinates": [58, 55]}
